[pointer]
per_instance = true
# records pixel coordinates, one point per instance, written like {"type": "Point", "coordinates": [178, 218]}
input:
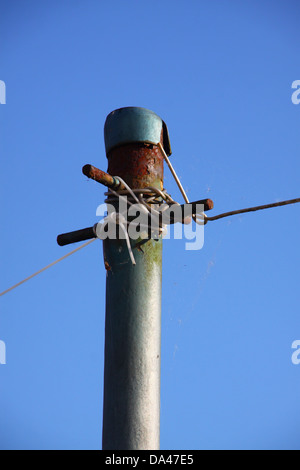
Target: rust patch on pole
{"type": "Point", "coordinates": [140, 165]}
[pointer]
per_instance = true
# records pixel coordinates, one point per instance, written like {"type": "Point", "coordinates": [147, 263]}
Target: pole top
{"type": "Point", "coordinates": [133, 124]}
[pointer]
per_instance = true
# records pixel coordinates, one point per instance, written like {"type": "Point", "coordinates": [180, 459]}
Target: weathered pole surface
{"type": "Point", "coordinates": [131, 409]}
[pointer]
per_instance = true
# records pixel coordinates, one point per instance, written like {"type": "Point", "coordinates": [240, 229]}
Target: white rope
{"type": "Point", "coordinates": [119, 219]}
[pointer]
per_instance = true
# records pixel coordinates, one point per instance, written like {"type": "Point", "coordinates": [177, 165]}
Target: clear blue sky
{"type": "Point", "coordinates": [219, 73]}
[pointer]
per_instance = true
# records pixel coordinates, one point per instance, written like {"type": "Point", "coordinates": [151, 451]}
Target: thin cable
{"type": "Point", "coordinates": [174, 173]}
{"type": "Point", "coordinates": [199, 218]}
{"type": "Point", "coordinates": [251, 209]}
{"type": "Point", "coordinates": [196, 217]}
{"type": "Point", "coordinates": [46, 267]}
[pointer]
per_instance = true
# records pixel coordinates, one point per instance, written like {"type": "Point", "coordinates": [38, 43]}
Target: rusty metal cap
{"type": "Point", "coordinates": [132, 124]}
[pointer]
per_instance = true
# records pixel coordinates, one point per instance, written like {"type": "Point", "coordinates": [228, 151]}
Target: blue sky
{"type": "Point", "coordinates": [220, 74]}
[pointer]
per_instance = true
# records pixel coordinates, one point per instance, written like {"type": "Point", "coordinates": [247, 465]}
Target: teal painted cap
{"type": "Point", "coordinates": [133, 124]}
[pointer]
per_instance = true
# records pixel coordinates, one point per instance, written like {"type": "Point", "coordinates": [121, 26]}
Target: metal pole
{"type": "Point", "coordinates": [131, 409]}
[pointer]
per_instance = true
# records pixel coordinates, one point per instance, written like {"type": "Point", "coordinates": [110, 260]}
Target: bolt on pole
{"type": "Point", "coordinates": [131, 408]}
